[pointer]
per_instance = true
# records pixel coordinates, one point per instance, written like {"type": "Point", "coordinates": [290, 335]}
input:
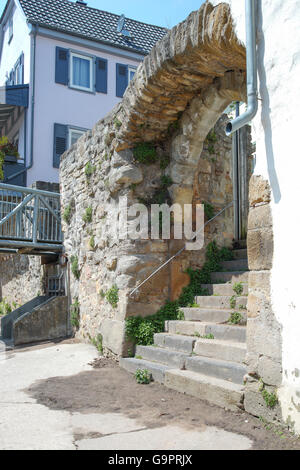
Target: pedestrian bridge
{"type": "Point", "coordinates": [30, 221]}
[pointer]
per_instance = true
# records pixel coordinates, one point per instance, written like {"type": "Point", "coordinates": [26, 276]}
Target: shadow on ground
{"type": "Point", "coordinates": [109, 389]}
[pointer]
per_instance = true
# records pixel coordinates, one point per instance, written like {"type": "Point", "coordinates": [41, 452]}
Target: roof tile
{"type": "Point", "coordinates": [91, 23]}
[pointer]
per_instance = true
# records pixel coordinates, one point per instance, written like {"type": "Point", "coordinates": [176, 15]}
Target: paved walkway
{"type": "Point", "coordinates": [24, 424]}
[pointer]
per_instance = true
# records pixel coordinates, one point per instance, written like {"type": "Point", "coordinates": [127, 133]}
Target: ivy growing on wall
{"type": "Point", "coordinates": [89, 170]}
{"type": "Point", "coordinates": [145, 153]}
{"type": "Point", "coordinates": [75, 313]}
{"type": "Point", "coordinates": [75, 267]}
{"type": "Point", "coordinates": [141, 330]}
{"type": "Point", "coordinates": [88, 215]}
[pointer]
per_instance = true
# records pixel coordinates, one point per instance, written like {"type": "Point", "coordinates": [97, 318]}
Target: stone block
{"type": "Point", "coordinates": [259, 190]}
{"type": "Point", "coordinates": [219, 392]}
{"type": "Point", "coordinates": [205, 167]}
{"type": "Point", "coordinates": [113, 335]}
{"type": "Point", "coordinates": [270, 371]}
{"type": "Point", "coordinates": [260, 217]}
{"type": "Point", "coordinates": [260, 281]}
{"type": "Point", "coordinates": [260, 249]}
{"type": "Point", "coordinates": [46, 322]}
{"type": "Point", "coordinates": [256, 405]}
{"type": "Point", "coordinates": [126, 175]}
{"type": "Point", "coordinates": [264, 337]}
{"type": "Point", "coordinates": [256, 301]}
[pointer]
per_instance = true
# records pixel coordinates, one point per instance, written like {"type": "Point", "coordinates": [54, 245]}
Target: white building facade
{"type": "Point", "coordinates": [275, 131]}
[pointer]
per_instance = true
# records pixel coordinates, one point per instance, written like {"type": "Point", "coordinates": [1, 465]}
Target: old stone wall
{"type": "Point", "coordinates": [103, 261]}
{"type": "Point", "coordinates": [264, 343]}
{"type": "Point", "coordinates": [21, 278]}
{"type": "Point", "coordinates": [177, 96]}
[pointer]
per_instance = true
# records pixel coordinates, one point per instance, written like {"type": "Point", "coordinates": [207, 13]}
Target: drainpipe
{"type": "Point", "coordinates": [28, 167]}
{"type": "Point", "coordinates": [236, 186]}
{"type": "Point", "coordinates": [252, 108]}
{"type": "Point", "coordinates": [35, 29]}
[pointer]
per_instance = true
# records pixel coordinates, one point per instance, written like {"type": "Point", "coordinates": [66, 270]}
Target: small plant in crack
{"type": "Point", "coordinates": [75, 267]}
{"type": "Point", "coordinates": [270, 398]}
{"type": "Point", "coordinates": [143, 376]}
{"type": "Point", "coordinates": [238, 288]}
{"type": "Point", "coordinates": [235, 319]}
{"type": "Point", "coordinates": [98, 343]}
{"type": "Point", "coordinates": [92, 242]}
{"type": "Point", "coordinates": [88, 215]}
{"type": "Point", "coordinates": [209, 210]}
{"type": "Point", "coordinates": [112, 296]}
{"type": "Point", "coordinates": [67, 214]}
{"type": "Point", "coordinates": [89, 170]}
{"type": "Point", "coordinates": [75, 313]}
{"type": "Point", "coordinates": [233, 302]}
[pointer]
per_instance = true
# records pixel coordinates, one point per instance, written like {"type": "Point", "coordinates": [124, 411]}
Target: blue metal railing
{"type": "Point", "coordinates": [29, 218]}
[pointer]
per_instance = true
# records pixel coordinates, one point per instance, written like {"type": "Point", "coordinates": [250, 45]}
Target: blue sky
{"type": "Point", "coordinates": [161, 12]}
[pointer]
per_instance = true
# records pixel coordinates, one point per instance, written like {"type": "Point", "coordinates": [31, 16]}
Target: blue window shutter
{"type": "Point", "coordinates": [60, 143]}
{"type": "Point", "coordinates": [101, 75]}
{"type": "Point", "coordinates": [62, 66]}
{"type": "Point", "coordinates": [12, 169]}
{"type": "Point", "coordinates": [122, 79]}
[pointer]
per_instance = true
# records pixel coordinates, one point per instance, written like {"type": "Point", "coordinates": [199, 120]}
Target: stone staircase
{"type": "Point", "coordinates": [204, 355]}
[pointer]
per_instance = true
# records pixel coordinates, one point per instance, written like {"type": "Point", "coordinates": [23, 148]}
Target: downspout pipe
{"type": "Point", "coordinates": [252, 107]}
{"type": "Point", "coordinates": [35, 30]}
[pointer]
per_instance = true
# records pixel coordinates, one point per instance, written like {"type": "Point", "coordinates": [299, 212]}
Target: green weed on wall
{"type": "Point", "coordinates": [141, 330]}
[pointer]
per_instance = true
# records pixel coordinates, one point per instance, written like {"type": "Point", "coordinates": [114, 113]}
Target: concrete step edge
{"type": "Point", "coordinates": [156, 369]}
{"type": "Point", "coordinates": [231, 386]}
{"type": "Point", "coordinates": [215, 391]}
{"type": "Point", "coordinates": [222, 342]}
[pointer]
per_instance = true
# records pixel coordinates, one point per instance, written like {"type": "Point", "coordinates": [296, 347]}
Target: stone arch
{"type": "Point", "coordinates": [188, 79]}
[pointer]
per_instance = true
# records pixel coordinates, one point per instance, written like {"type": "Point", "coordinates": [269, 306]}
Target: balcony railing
{"type": "Point", "coordinates": [29, 219]}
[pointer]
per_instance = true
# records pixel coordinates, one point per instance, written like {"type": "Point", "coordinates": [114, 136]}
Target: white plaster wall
{"type": "Point", "coordinates": [276, 131]}
{"type": "Point", "coordinates": [56, 103]}
{"type": "Point", "coordinates": [19, 43]}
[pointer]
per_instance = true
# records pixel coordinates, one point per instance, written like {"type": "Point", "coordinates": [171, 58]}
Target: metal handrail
{"type": "Point", "coordinates": [29, 218]}
{"type": "Point", "coordinates": [180, 251]}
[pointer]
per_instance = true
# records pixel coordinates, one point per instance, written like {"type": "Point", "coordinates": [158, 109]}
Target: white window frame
{"type": "Point", "coordinates": [91, 60]}
{"type": "Point", "coordinates": [77, 130]}
{"type": "Point", "coordinates": [19, 69]}
{"type": "Point", "coordinates": [131, 69]}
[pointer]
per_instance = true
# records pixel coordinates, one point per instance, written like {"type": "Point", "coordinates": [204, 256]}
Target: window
{"type": "Point", "coordinates": [131, 73]}
{"type": "Point", "coordinates": [125, 74]}
{"type": "Point", "coordinates": [64, 137]}
{"type": "Point", "coordinates": [10, 29]}
{"type": "Point", "coordinates": [74, 135]}
{"type": "Point", "coordinates": [81, 72]}
{"type": "Point", "coordinates": [19, 71]}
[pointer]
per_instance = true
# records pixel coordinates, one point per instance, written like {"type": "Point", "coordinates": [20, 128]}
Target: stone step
{"type": "Point", "coordinates": [233, 277]}
{"type": "Point", "coordinates": [240, 244]}
{"type": "Point", "coordinates": [240, 254]}
{"type": "Point", "coordinates": [211, 315]}
{"type": "Point", "coordinates": [175, 342]}
{"type": "Point", "coordinates": [189, 329]}
{"type": "Point", "coordinates": [216, 391]}
{"type": "Point", "coordinates": [235, 265]}
{"type": "Point", "coordinates": [221, 301]}
{"type": "Point", "coordinates": [171, 358]}
{"type": "Point", "coordinates": [225, 370]}
{"type": "Point", "coordinates": [222, 289]}
{"type": "Point", "coordinates": [157, 370]}
{"type": "Point", "coordinates": [219, 349]}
